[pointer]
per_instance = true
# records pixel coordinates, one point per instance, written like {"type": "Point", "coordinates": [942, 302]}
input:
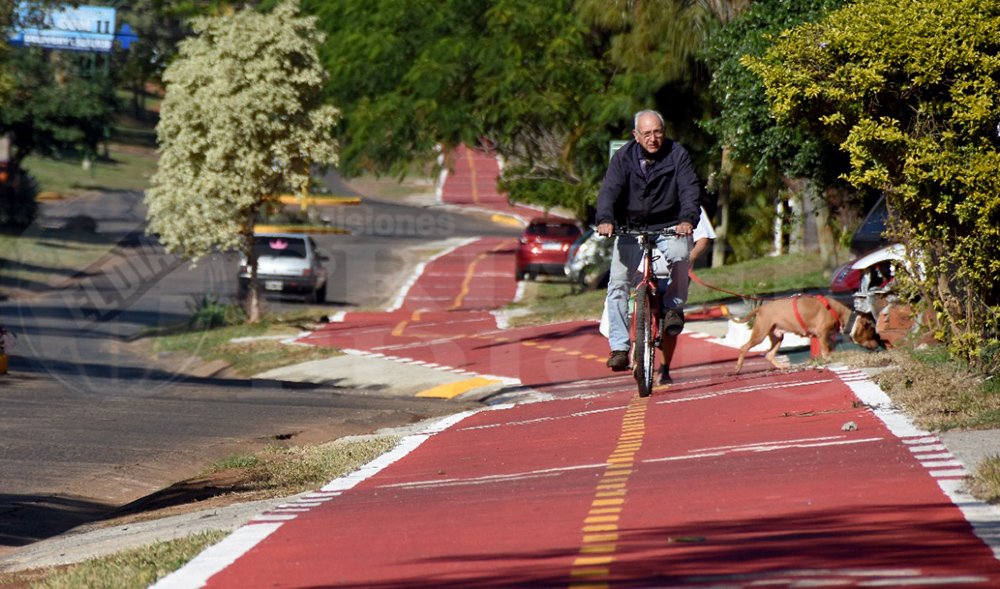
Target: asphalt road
{"type": "Point", "coordinates": [88, 425]}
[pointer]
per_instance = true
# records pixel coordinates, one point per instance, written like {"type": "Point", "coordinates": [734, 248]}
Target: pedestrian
{"type": "Point", "coordinates": [650, 184]}
{"type": "Point", "coordinates": [703, 235]}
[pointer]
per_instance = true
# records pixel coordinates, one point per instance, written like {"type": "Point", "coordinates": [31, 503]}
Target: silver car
{"type": "Point", "coordinates": [589, 260]}
{"type": "Point", "coordinates": [287, 264]}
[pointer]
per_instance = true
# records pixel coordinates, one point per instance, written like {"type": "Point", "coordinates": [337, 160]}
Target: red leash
{"type": "Point", "coordinates": [695, 278]}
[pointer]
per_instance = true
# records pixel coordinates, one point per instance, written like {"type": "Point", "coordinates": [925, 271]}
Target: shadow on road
{"type": "Point", "coordinates": [29, 518]}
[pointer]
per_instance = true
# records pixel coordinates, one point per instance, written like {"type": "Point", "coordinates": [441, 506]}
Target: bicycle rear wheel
{"type": "Point", "coordinates": [643, 348]}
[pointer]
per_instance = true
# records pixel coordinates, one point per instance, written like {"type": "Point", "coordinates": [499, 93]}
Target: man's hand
{"type": "Point", "coordinates": [606, 229]}
{"type": "Point", "coordinates": [684, 228]}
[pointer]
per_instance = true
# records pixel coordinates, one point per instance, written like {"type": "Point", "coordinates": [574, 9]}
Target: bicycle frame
{"type": "Point", "coordinates": [644, 321]}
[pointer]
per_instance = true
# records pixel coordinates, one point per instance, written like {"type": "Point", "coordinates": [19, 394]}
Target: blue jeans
{"type": "Point", "coordinates": [625, 260]}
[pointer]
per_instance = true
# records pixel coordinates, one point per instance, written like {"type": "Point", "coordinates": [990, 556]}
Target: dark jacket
{"type": "Point", "coordinates": [667, 195]}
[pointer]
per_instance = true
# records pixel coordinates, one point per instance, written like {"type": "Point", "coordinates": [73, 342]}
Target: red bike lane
{"type": "Point", "coordinates": [799, 478]}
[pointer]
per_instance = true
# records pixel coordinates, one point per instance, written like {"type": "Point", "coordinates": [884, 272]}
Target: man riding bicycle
{"type": "Point", "coordinates": [650, 184]}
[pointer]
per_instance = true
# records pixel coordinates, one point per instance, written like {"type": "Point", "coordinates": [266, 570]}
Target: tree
{"type": "Point", "coordinates": [242, 120]}
{"type": "Point", "coordinates": [743, 127]}
{"type": "Point", "coordinates": [55, 106]}
{"type": "Point", "coordinates": [913, 101]}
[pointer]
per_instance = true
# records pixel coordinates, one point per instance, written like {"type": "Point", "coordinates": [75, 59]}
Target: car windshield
{"type": "Point", "coordinates": [280, 247]}
{"type": "Point", "coordinates": [553, 230]}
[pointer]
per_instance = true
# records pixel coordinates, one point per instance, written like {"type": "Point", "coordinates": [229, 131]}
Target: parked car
{"type": "Point", "coordinates": [544, 247]}
{"type": "Point", "coordinates": [868, 237]}
{"type": "Point", "coordinates": [287, 264]}
{"type": "Point", "coordinates": [588, 262]}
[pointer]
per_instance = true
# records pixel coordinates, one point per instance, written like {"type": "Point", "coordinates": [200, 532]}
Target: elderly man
{"type": "Point", "coordinates": [650, 184]}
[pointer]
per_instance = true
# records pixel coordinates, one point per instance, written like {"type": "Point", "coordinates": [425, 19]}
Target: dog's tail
{"type": "Point", "coordinates": [746, 318]}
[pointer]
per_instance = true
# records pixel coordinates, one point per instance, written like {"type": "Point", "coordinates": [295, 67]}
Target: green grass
{"type": "Point", "coordinates": [281, 471]}
{"type": "Point", "coordinates": [550, 302]}
{"type": "Point", "coordinates": [136, 568]}
{"type": "Point", "coordinates": [773, 274]}
{"type": "Point", "coordinates": [45, 258]}
{"type": "Point", "coordinates": [985, 481]}
{"type": "Point", "coordinates": [939, 392]}
{"type": "Point", "coordinates": [246, 358]}
{"type": "Point", "coordinates": [128, 169]}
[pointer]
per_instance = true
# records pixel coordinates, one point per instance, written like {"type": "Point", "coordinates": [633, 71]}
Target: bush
{"type": "Point", "coordinates": [913, 101]}
{"type": "Point", "coordinates": [208, 312]}
{"type": "Point", "coordinates": [18, 208]}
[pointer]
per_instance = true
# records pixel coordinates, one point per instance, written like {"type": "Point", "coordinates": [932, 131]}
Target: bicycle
{"type": "Point", "coordinates": [644, 324]}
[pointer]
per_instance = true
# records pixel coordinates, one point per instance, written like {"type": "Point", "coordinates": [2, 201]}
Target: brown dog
{"type": "Point", "coordinates": [814, 316]}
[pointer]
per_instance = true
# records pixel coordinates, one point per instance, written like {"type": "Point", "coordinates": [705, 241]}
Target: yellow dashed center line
{"type": "Point", "coordinates": [592, 566]}
{"type": "Point", "coordinates": [470, 272]}
{"type": "Point", "coordinates": [472, 171]}
{"type": "Point", "coordinates": [398, 330]}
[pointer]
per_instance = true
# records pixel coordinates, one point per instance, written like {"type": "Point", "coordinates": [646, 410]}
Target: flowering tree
{"type": "Point", "coordinates": [242, 120]}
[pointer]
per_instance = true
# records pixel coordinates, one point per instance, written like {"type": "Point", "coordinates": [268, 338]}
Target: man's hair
{"type": "Point", "coordinates": [641, 113]}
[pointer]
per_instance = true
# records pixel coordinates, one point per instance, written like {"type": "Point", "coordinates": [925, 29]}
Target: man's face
{"type": "Point", "coordinates": [649, 133]}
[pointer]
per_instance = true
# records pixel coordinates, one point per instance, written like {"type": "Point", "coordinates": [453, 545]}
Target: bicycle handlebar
{"type": "Point", "coordinates": [637, 232]}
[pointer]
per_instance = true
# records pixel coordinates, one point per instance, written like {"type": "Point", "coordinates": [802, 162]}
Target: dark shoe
{"type": "Point", "coordinates": [673, 323]}
{"type": "Point", "coordinates": [665, 376]}
{"type": "Point", "coordinates": [618, 361]}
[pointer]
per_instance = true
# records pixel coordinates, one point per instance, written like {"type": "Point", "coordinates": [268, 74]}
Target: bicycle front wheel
{"type": "Point", "coordinates": [643, 348]}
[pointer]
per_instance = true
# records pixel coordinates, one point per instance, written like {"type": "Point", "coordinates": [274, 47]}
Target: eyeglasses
{"type": "Point", "coordinates": [658, 133]}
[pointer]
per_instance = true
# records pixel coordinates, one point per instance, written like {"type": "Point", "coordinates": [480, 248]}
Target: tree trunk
{"type": "Point", "coordinates": [725, 196]}
{"type": "Point", "coordinates": [252, 304]}
{"type": "Point", "coordinates": [824, 233]}
{"type": "Point", "coordinates": [796, 217]}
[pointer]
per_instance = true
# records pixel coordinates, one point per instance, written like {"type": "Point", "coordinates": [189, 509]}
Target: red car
{"type": "Point", "coordinates": [544, 247]}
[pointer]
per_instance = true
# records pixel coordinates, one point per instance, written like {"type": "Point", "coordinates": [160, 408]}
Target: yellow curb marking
{"type": "Point", "coordinates": [453, 389]}
{"type": "Point", "coordinates": [501, 219]}
{"type": "Point", "coordinates": [313, 199]}
{"type": "Point", "coordinates": [299, 229]}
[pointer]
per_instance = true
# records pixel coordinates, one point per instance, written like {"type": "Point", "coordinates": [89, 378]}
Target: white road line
{"type": "Point", "coordinates": [746, 389]}
{"type": "Point", "coordinates": [544, 419]}
{"type": "Point", "coordinates": [777, 442]}
{"type": "Point", "coordinates": [924, 580]}
{"type": "Point", "coordinates": [764, 448]}
{"type": "Point", "coordinates": [983, 517]}
{"type": "Point", "coordinates": [922, 440]}
{"type": "Point", "coordinates": [197, 572]}
{"type": "Point", "coordinates": [947, 474]}
{"type": "Point", "coordinates": [941, 464]}
{"type": "Point", "coordinates": [494, 478]}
